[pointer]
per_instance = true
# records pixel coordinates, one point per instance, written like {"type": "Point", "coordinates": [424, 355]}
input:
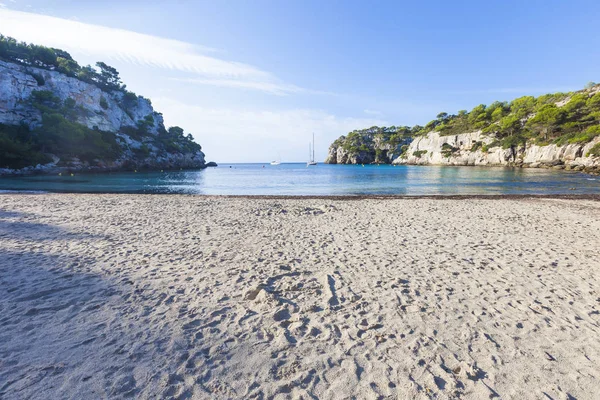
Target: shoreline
{"type": "Point", "coordinates": [592, 197]}
{"type": "Point", "coordinates": [588, 170]}
{"type": "Point", "coordinates": [51, 171]}
{"type": "Point", "coordinates": [31, 171]}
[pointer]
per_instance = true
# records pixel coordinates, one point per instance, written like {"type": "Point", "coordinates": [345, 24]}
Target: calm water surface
{"type": "Point", "coordinates": [297, 179]}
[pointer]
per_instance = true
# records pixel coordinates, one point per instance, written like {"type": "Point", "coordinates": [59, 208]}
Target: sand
{"type": "Point", "coordinates": [147, 296]}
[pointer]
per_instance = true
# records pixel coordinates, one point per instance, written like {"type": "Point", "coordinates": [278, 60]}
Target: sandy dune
{"type": "Point", "coordinates": [190, 297]}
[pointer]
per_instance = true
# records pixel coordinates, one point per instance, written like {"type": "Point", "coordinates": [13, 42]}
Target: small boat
{"type": "Point", "coordinates": [311, 153]}
{"type": "Point", "coordinates": [276, 162]}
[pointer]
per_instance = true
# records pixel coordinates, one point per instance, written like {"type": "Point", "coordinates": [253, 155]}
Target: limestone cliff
{"type": "Point", "coordinates": [115, 115]}
{"type": "Point", "coordinates": [17, 83]}
{"type": "Point", "coordinates": [559, 130]}
{"type": "Point", "coordinates": [373, 145]}
{"type": "Point", "coordinates": [474, 149]}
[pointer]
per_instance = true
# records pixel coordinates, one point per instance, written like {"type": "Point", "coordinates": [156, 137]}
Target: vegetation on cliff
{"type": "Point", "coordinates": [60, 133]}
{"type": "Point", "coordinates": [559, 118]}
{"type": "Point", "coordinates": [382, 142]}
{"type": "Point", "coordinates": [106, 77]}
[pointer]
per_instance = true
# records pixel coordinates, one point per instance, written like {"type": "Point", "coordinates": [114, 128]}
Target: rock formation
{"type": "Point", "coordinates": [472, 149]}
{"type": "Point", "coordinates": [138, 130]}
{"type": "Point", "coordinates": [373, 145]}
{"type": "Point", "coordinates": [560, 130]}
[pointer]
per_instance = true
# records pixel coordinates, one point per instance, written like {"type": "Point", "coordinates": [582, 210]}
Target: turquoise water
{"type": "Point", "coordinates": [297, 179]}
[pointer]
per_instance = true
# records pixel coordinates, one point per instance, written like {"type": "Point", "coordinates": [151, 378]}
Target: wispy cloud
{"type": "Point", "coordinates": [279, 89]}
{"type": "Point", "coordinates": [142, 49]}
{"type": "Point", "coordinates": [276, 88]}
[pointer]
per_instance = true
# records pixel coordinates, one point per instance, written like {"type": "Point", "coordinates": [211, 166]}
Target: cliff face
{"type": "Point", "coordinates": [17, 83]}
{"type": "Point", "coordinates": [340, 155]}
{"type": "Point", "coordinates": [558, 130]}
{"type": "Point", "coordinates": [473, 149]}
{"type": "Point", "coordinates": [115, 112]}
{"type": "Point", "coordinates": [365, 148]}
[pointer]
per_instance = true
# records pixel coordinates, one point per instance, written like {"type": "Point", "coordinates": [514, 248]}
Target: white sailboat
{"type": "Point", "coordinates": [278, 161]}
{"type": "Point", "coordinates": [311, 153]}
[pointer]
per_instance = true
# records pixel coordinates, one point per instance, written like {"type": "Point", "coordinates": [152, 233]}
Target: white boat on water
{"type": "Point", "coordinates": [276, 162]}
{"type": "Point", "coordinates": [311, 153]}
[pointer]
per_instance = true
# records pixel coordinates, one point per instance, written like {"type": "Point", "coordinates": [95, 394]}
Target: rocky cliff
{"type": "Point", "coordinates": [40, 103]}
{"type": "Point", "coordinates": [559, 130]}
{"type": "Point", "coordinates": [102, 110]}
{"type": "Point", "coordinates": [373, 145]}
{"type": "Point", "coordinates": [474, 149]}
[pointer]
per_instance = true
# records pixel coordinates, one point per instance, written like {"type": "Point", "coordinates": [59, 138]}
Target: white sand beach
{"type": "Point", "coordinates": [152, 296]}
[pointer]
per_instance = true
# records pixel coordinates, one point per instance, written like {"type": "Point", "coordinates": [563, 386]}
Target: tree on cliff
{"type": "Point", "coordinates": [510, 125]}
{"type": "Point", "coordinates": [558, 118]}
{"type": "Point", "coordinates": [109, 76]}
{"type": "Point", "coordinates": [546, 120]}
{"type": "Point", "coordinates": [59, 60]}
{"type": "Point", "coordinates": [66, 128]}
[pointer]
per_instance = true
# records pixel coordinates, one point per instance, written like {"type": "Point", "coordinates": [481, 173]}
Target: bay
{"type": "Point", "coordinates": [323, 179]}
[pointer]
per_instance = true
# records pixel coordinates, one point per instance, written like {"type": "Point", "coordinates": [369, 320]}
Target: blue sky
{"type": "Point", "coordinates": [251, 80]}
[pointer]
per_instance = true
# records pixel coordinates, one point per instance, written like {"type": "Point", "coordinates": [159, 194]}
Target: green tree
{"type": "Point", "coordinates": [510, 125]}
{"type": "Point", "coordinates": [88, 74]}
{"type": "Point", "coordinates": [496, 110]}
{"type": "Point", "coordinates": [576, 103]}
{"type": "Point", "coordinates": [594, 102]}
{"type": "Point", "coordinates": [546, 120]}
{"type": "Point", "coordinates": [522, 106]}
{"type": "Point", "coordinates": [62, 54]}
{"type": "Point", "coordinates": [477, 117]}
{"type": "Point", "coordinates": [109, 76]}
{"type": "Point", "coordinates": [43, 56]}
{"type": "Point", "coordinates": [497, 114]}
{"type": "Point", "coordinates": [176, 131]}
{"type": "Point", "coordinates": [67, 66]}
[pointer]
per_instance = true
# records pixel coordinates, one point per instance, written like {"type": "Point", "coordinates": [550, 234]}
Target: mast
{"type": "Point", "coordinates": [313, 148]}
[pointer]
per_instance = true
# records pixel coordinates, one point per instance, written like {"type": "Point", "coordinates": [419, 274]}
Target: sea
{"type": "Point", "coordinates": [321, 180]}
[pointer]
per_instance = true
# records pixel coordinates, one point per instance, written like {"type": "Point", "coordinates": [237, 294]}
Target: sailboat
{"type": "Point", "coordinates": [276, 162]}
{"type": "Point", "coordinates": [311, 153]}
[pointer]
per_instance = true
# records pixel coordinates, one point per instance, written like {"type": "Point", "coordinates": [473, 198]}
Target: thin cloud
{"type": "Point", "coordinates": [276, 88]}
{"type": "Point", "coordinates": [372, 112]}
{"type": "Point", "coordinates": [141, 49]}
{"type": "Point", "coordinates": [120, 44]}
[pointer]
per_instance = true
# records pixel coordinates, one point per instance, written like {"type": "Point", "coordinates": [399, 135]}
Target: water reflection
{"type": "Point", "coordinates": [296, 179]}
